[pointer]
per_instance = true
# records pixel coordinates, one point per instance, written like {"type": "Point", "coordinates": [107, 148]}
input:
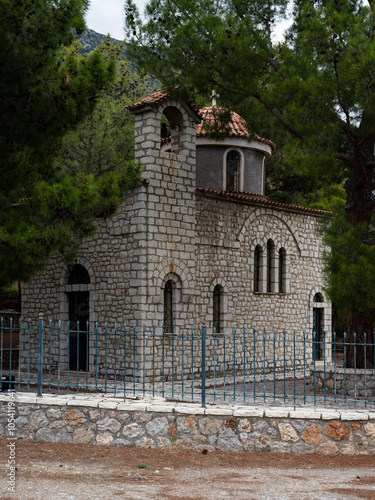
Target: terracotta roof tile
{"type": "Point", "coordinates": [156, 97]}
{"type": "Point", "coordinates": [235, 128]}
{"type": "Point", "coordinates": [260, 200]}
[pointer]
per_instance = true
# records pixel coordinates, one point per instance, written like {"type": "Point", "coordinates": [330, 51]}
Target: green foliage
{"type": "Point", "coordinates": [46, 90]}
{"type": "Point", "coordinates": [103, 142]}
{"type": "Point", "coordinates": [350, 267]}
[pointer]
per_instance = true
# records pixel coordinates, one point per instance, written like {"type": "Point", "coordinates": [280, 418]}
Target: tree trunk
{"type": "Point", "coordinates": [359, 327]}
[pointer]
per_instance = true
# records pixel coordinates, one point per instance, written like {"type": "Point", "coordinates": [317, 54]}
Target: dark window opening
{"type": "Point", "coordinates": [233, 171]}
{"type": "Point", "coordinates": [282, 270]}
{"type": "Point", "coordinates": [270, 265]}
{"type": "Point", "coordinates": [217, 309]}
{"type": "Point", "coordinates": [168, 306]}
{"type": "Point", "coordinates": [257, 258]}
{"type": "Point", "coordinates": [317, 333]}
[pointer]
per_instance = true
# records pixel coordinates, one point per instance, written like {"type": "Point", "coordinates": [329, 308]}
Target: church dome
{"type": "Point", "coordinates": [230, 158]}
{"type": "Point", "coordinates": [235, 127]}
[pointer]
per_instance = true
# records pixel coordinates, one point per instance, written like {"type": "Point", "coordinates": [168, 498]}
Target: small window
{"type": "Point", "coordinates": [233, 171]}
{"type": "Point", "coordinates": [257, 264]}
{"type": "Point", "coordinates": [270, 266]}
{"type": "Point", "coordinates": [217, 308]}
{"type": "Point", "coordinates": [168, 306]}
{"type": "Point", "coordinates": [78, 275]}
{"type": "Point", "coordinates": [318, 297]}
{"type": "Point", "coordinates": [282, 270]}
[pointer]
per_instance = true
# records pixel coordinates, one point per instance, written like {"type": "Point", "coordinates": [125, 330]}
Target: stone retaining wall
{"type": "Point", "coordinates": [156, 423]}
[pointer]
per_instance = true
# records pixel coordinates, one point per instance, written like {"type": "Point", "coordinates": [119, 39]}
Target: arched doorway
{"type": "Point", "coordinates": [79, 311]}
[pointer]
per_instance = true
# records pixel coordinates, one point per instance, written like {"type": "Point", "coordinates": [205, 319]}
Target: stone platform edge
{"type": "Point", "coordinates": [154, 422]}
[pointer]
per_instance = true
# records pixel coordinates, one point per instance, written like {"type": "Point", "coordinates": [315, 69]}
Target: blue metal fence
{"type": "Point", "coordinates": [233, 366]}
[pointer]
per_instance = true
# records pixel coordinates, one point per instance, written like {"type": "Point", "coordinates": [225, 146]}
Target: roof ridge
{"type": "Point", "coordinates": [242, 197]}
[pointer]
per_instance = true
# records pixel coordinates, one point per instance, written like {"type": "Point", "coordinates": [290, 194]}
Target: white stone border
{"type": "Point", "coordinates": [161, 405]}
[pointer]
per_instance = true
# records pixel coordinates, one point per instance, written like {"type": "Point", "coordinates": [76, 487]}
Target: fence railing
{"type": "Point", "coordinates": [234, 366]}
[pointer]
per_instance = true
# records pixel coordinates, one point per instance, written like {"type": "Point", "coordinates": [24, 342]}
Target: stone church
{"type": "Point", "coordinates": [197, 243]}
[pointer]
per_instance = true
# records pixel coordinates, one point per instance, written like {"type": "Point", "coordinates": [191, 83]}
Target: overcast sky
{"type": "Point", "coordinates": [107, 16]}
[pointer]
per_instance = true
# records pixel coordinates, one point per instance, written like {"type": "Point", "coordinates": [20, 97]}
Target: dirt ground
{"type": "Point", "coordinates": [57, 471]}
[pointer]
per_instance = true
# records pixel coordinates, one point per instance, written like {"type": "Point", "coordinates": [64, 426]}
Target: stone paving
{"type": "Point", "coordinates": [298, 392]}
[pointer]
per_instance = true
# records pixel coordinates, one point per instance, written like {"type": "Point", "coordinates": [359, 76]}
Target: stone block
{"type": "Point", "coordinates": [276, 412]}
{"type": "Point", "coordinates": [132, 406]}
{"type": "Point", "coordinates": [327, 449]}
{"type": "Point", "coordinates": [330, 414]}
{"type": "Point", "coordinates": [219, 411]}
{"type": "Point", "coordinates": [336, 430]}
{"type": "Point", "coordinates": [190, 410]}
{"type": "Point", "coordinates": [111, 405]}
{"type": "Point", "coordinates": [312, 434]}
{"type": "Point", "coordinates": [83, 402]}
{"type": "Point", "coordinates": [353, 415]}
{"type": "Point", "coordinates": [305, 414]}
{"type": "Point", "coordinates": [287, 432]}
{"type": "Point", "coordinates": [26, 398]}
{"type": "Point", "coordinates": [158, 408]}
{"type": "Point", "coordinates": [46, 400]}
{"type": "Point", "coordinates": [104, 439]}
{"type": "Point", "coordinates": [248, 412]}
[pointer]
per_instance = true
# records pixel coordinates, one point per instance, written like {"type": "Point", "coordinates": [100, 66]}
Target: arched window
{"type": "Point", "coordinates": [233, 171]}
{"type": "Point", "coordinates": [172, 125]}
{"type": "Point", "coordinates": [282, 270]}
{"type": "Point", "coordinates": [257, 268]}
{"type": "Point", "coordinates": [217, 319]}
{"type": "Point", "coordinates": [318, 297]}
{"type": "Point", "coordinates": [270, 266]}
{"type": "Point", "coordinates": [168, 306]}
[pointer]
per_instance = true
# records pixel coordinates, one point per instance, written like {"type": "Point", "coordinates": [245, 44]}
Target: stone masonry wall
{"type": "Point", "coordinates": [155, 423]}
{"type": "Point", "coordinates": [170, 244]}
{"type": "Point", "coordinates": [228, 233]}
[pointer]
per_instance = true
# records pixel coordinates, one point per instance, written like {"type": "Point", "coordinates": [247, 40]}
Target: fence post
{"type": "Point", "coordinates": [40, 353]}
{"type": "Point", "coordinates": [203, 365]}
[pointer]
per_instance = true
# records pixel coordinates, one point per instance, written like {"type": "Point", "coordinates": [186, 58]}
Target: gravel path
{"type": "Point", "coordinates": [56, 471]}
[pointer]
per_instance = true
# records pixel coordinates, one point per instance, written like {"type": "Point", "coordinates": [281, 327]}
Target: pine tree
{"type": "Point", "coordinates": [104, 141]}
{"type": "Point", "coordinates": [45, 92]}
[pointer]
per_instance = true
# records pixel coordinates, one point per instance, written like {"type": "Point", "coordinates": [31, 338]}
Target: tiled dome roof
{"type": "Point", "coordinates": [236, 127]}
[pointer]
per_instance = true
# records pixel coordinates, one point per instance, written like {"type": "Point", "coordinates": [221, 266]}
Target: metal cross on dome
{"type": "Point", "coordinates": [214, 95]}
